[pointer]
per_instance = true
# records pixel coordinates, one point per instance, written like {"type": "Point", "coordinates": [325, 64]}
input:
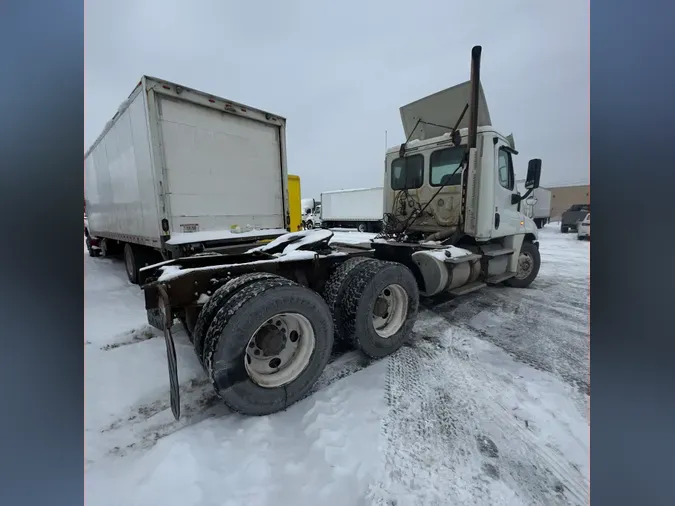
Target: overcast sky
{"type": "Point", "coordinates": [339, 71]}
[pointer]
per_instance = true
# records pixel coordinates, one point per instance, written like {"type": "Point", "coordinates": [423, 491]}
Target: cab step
{"type": "Point", "coordinates": [471, 287]}
{"type": "Point", "coordinates": [498, 252]}
{"type": "Point", "coordinates": [498, 278]}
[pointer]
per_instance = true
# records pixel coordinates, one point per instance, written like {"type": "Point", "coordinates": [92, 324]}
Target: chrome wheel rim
{"type": "Point", "coordinates": [390, 310]}
{"type": "Point", "coordinates": [279, 350]}
{"type": "Point", "coordinates": [525, 265]}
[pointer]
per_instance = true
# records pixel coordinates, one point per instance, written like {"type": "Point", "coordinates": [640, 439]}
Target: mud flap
{"type": "Point", "coordinates": [174, 392]}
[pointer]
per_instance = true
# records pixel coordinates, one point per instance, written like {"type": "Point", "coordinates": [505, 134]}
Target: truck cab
{"type": "Point", "coordinates": [311, 214]}
{"type": "Point", "coordinates": [451, 186]}
{"type": "Point", "coordinates": [429, 173]}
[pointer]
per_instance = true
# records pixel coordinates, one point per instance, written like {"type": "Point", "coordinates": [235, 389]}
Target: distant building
{"type": "Point", "coordinates": [562, 197]}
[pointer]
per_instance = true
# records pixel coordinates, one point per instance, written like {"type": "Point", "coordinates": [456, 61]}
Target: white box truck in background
{"type": "Point", "coordinates": [178, 172]}
{"type": "Point", "coordinates": [362, 208]}
{"type": "Point", "coordinates": [537, 206]}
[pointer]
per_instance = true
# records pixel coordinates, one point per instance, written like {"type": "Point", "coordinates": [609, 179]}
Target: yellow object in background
{"type": "Point", "coordinates": [295, 208]}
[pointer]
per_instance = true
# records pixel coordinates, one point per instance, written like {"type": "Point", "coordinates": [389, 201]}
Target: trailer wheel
{"type": "Point", "coordinates": [105, 251]}
{"type": "Point", "coordinates": [217, 300]}
{"type": "Point", "coordinates": [529, 262]}
{"type": "Point", "coordinates": [564, 229]}
{"type": "Point", "coordinates": [380, 307]}
{"type": "Point", "coordinates": [267, 346]}
{"type": "Point", "coordinates": [335, 288]}
{"type": "Point", "coordinates": [363, 227]}
{"type": "Point", "coordinates": [136, 257]}
{"type": "Point", "coordinates": [130, 263]}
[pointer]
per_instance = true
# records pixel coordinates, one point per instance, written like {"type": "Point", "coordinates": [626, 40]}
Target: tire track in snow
{"type": "Point", "coordinates": [541, 328]}
{"type": "Point", "coordinates": [151, 420]}
{"type": "Point", "coordinates": [133, 336]}
{"type": "Point", "coordinates": [443, 413]}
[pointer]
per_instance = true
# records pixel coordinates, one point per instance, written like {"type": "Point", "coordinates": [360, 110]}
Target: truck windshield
{"type": "Point", "coordinates": [407, 172]}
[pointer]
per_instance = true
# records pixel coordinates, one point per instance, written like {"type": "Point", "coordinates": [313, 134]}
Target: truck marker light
{"type": "Point", "coordinates": [166, 87]}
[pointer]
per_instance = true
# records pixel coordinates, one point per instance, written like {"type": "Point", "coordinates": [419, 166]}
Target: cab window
{"type": "Point", "coordinates": [444, 166]}
{"type": "Point", "coordinates": [505, 169]}
{"type": "Point", "coordinates": [407, 172]}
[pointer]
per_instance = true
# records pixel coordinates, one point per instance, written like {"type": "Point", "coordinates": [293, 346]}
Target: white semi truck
{"type": "Point", "coordinates": [311, 214]}
{"type": "Point", "coordinates": [177, 172]}
{"type": "Point", "coordinates": [263, 323]}
{"type": "Point", "coordinates": [361, 208]}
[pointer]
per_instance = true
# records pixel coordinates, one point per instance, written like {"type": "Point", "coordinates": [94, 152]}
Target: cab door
{"type": "Point", "coordinates": [507, 218]}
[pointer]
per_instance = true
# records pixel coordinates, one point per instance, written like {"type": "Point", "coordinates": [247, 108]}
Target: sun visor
{"type": "Point", "coordinates": [442, 108]}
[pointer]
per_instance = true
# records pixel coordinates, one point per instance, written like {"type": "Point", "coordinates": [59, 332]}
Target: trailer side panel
{"type": "Point", "coordinates": [120, 180]}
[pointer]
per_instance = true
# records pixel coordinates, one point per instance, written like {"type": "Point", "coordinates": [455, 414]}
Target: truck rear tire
{"type": "Point", "coordinates": [267, 346]}
{"type": "Point", "coordinates": [380, 308]}
{"type": "Point", "coordinates": [529, 262]}
{"type": "Point", "coordinates": [217, 301]}
{"type": "Point", "coordinates": [335, 288]}
{"type": "Point", "coordinates": [564, 229]}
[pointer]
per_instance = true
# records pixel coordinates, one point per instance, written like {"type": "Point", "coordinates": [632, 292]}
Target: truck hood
{"type": "Point", "coordinates": [442, 108]}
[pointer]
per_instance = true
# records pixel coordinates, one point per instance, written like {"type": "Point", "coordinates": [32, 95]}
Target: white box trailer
{"type": "Point", "coordinates": [537, 206]}
{"type": "Point", "coordinates": [178, 171]}
{"type": "Point", "coordinates": [361, 208]}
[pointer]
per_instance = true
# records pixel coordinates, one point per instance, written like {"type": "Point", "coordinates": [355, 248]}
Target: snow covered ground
{"type": "Point", "coordinates": [489, 404]}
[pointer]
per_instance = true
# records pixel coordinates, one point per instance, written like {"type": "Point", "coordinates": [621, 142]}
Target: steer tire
{"type": "Point", "coordinates": [533, 251]}
{"type": "Point", "coordinates": [234, 325]}
{"type": "Point", "coordinates": [217, 301]}
{"type": "Point", "coordinates": [359, 302]}
{"type": "Point", "coordinates": [335, 288]}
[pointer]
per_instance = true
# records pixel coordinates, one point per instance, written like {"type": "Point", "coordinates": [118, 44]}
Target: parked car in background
{"type": "Point", "coordinates": [584, 228]}
{"type": "Point", "coordinates": [572, 216]}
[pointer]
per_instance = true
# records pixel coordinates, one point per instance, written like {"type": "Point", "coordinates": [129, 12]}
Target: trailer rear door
{"type": "Point", "coordinates": [222, 169]}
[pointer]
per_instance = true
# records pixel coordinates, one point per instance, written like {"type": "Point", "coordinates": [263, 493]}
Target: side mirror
{"type": "Point", "coordinates": [533, 174]}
